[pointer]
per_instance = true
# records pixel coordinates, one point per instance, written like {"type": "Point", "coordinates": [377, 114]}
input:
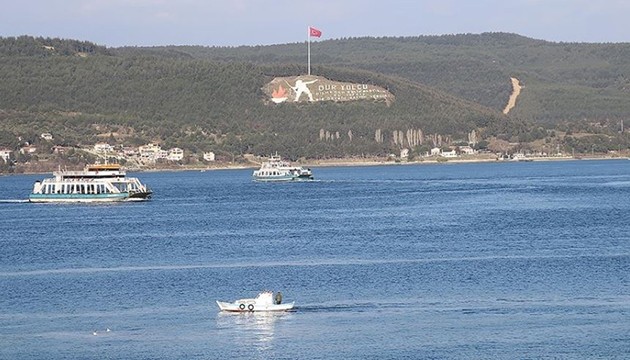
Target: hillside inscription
{"type": "Point", "coordinates": [308, 88]}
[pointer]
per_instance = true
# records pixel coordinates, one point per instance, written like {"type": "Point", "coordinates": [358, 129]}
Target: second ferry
{"type": "Point", "coordinates": [276, 169]}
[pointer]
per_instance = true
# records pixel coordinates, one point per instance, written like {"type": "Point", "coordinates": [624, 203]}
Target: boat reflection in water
{"type": "Point", "coordinates": [254, 329]}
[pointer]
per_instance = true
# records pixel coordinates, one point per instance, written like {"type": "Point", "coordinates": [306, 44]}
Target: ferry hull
{"type": "Point", "coordinates": [82, 198]}
{"type": "Point", "coordinates": [88, 198]}
{"type": "Point", "coordinates": [253, 307]}
{"type": "Point", "coordinates": [140, 196]}
{"type": "Point", "coordinates": [282, 178]}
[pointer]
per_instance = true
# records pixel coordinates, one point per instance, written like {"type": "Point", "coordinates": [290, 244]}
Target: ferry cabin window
{"type": "Point", "coordinates": [122, 187]}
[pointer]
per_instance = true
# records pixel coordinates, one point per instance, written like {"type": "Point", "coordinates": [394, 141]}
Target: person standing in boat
{"type": "Point", "coordinates": [278, 298]}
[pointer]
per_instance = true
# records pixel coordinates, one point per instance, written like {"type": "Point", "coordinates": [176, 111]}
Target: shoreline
{"type": "Point", "coordinates": [350, 163]}
{"type": "Point", "coordinates": [341, 163]}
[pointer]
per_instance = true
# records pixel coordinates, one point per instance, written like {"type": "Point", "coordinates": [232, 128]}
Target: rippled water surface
{"type": "Point", "coordinates": [495, 260]}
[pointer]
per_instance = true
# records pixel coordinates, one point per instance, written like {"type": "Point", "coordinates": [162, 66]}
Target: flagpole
{"type": "Point", "coordinates": [308, 30]}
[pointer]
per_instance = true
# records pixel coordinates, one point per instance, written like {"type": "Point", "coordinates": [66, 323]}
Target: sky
{"type": "Point", "coordinates": [115, 23]}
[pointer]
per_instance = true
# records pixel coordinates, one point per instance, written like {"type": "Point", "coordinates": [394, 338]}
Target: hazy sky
{"type": "Point", "coordinates": [252, 22]}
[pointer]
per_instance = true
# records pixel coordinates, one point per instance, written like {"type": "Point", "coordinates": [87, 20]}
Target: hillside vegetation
{"type": "Point", "coordinates": [564, 81]}
{"type": "Point", "coordinates": [447, 88]}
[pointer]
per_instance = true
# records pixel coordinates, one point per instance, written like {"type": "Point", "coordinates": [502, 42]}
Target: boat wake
{"type": "Point", "coordinates": [331, 262]}
{"type": "Point", "coordinates": [353, 307]}
{"type": "Point", "coordinates": [332, 308]}
{"type": "Point", "coordinates": [13, 201]}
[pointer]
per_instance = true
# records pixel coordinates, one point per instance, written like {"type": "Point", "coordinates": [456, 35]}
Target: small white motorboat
{"type": "Point", "coordinates": [265, 301]}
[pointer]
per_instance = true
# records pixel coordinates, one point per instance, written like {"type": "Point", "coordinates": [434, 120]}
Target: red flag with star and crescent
{"type": "Point", "coordinates": [314, 32]}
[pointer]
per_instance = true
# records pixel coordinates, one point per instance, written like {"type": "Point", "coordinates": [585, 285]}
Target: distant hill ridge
{"type": "Point", "coordinates": [565, 81]}
{"type": "Point", "coordinates": [44, 47]}
{"type": "Point", "coordinates": [211, 98]}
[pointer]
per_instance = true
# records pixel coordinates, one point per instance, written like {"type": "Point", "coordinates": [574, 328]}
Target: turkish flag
{"type": "Point", "coordinates": [314, 32]}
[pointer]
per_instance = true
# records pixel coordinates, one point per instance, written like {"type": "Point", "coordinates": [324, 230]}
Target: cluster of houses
{"type": "Point", "coordinates": [152, 153]}
{"type": "Point", "coordinates": [436, 151]}
{"type": "Point", "coordinates": [149, 153]}
{"type": "Point", "coordinates": [146, 154]}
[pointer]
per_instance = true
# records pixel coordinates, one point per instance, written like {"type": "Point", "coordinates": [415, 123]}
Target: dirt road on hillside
{"type": "Point", "coordinates": [516, 86]}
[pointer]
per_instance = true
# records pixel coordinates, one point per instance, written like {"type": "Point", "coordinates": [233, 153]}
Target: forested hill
{"type": "Point", "coordinates": [86, 93]}
{"type": "Point", "coordinates": [447, 89]}
{"type": "Point", "coordinates": [563, 81]}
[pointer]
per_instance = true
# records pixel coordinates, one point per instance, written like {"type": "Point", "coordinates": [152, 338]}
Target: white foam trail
{"type": "Point", "coordinates": [323, 262]}
{"type": "Point", "coordinates": [13, 201]}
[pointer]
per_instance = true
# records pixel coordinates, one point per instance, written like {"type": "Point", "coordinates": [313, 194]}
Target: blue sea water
{"type": "Point", "coordinates": [489, 260]}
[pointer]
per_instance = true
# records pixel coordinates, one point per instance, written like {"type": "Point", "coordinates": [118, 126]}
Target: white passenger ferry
{"type": "Point", "coordinates": [276, 169]}
{"type": "Point", "coordinates": [97, 183]}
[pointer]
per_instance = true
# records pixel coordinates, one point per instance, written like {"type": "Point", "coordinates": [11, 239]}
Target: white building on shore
{"type": "Point", "coordinates": [209, 156]}
{"type": "Point", "coordinates": [175, 154]}
{"type": "Point", "coordinates": [5, 154]}
{"type": "Point", "coordinates": [149, 152]}
{"type": "Point", "coordinates": [466, 150]}
{"type": "Point", "coordinates": [449, 154]}
{"type": "Point", "coordinates": [103, 148]}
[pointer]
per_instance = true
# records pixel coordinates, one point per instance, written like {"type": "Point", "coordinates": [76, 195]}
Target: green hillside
{"type": "Point", "coordinates": [563, 81]}
{"type": "Point", "coordinates": [201, 105]}
{"type": "Point", "coordinates": [446, 88]}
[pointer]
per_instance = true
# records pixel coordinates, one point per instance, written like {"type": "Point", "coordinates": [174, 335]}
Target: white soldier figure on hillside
{"type": "Point", "coordinates": [300, 87]}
